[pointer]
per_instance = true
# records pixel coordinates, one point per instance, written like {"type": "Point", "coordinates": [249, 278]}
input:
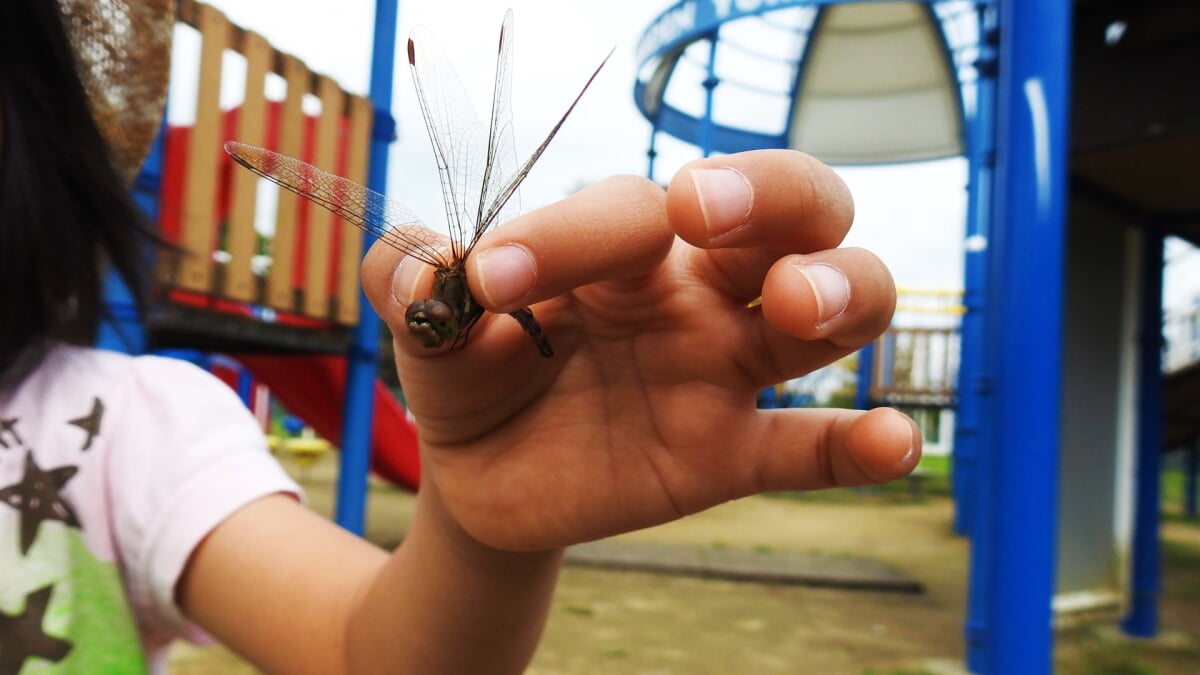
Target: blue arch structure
{"type": "Point", "coordinates": [664, 45]}
{"type": "Point", "coordinates": [1010, 380]}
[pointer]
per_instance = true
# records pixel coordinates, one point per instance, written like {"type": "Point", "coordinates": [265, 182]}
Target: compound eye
{"type": "Point", "coordinates": [438, 312]}
{"type": "Point", "coordinates": [431, 322]}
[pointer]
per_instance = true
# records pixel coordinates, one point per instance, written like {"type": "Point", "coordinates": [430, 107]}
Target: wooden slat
{"type": "Point", "coordinates": [336, 145]}
{"type": "Point", "coordinates": [318, 249]}
{"type": "Point", "coordinates": [199, 199]}
{"type": "Point", "coordinates": [357, 154]}
{"type": "Point", "coordinates": [280, 292]}
{"type": "Point", "coordinates": [242, 240]}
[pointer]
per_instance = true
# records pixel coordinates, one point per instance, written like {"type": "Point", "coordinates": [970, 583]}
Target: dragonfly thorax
{"type": "Point", "coordinates": [447, 316]}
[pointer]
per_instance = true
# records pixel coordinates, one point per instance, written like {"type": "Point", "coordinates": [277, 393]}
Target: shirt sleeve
{"type": "Point", "coordinates": [189, 455]}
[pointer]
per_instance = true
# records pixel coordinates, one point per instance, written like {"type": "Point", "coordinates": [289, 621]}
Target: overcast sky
{"type": "Point", "coordinates": [912, 216]}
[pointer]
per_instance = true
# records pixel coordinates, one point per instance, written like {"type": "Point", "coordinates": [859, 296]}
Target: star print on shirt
{"type": "Point", "coordinates": [21, 635]}
{"type": "Point", "coordinates": [37, 499]}
{"type": "Point", "coordinates": [90, 422]}
{"type": "Point", "coordinates": [8, 429]}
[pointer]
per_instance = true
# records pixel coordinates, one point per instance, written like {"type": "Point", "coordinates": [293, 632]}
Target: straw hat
{"type": "Point", "coordinates": [123, 49]}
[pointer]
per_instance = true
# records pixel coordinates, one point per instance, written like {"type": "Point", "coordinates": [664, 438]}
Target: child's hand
{"type": "Point", "coordinates": [646, 412]}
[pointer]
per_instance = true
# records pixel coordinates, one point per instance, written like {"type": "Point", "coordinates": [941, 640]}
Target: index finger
{"type": "Point", "coordinates": [614, 229]}
{"type": "Point", "coordinates": [749, 209]}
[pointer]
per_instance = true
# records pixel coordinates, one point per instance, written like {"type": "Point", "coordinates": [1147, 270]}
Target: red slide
{"type": "Point", "coordinates": [314, 389]}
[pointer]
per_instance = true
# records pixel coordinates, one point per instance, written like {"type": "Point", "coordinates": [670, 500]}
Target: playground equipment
{"type": "Point", "coordinates": [293, 321]}
{"type": "Point", "coordinates": [1031, 359]}
{"type": "Point", "coordinates": [809, 75]}
{"type": "Point", "coordinates": [210, 210]}
{"type": "Point", "coordinates": [915, 363]}
{"type": "Point", "coordinates": [1060, 362]}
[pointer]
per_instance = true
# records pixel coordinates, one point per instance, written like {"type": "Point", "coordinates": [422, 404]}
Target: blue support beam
{"type": "Point", "coordinates": [707, 139]}
{"type": "Point", "coordinates": [351, 506]}
{"type": "Point", "coordinates": [887, 371]}
{"type": "Point", "coordinates": [1014, 540]}
{"type": "Point", "coordinates": [122, 330]}
{"type": "Point", "coordinates": [1144, 581]}
{"type": "Point", "coordinates": [973, 385]}
{"type": "Point", "coordinates": [866, 369]}
{"type": "Point", "coordinates": [245, 386]}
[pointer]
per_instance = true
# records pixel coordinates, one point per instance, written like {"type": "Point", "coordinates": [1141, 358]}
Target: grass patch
{"type": "Point", "coordinates": [1092, 657]}
{"type": "Point", "coordinates": [1115, 660]}
{"type": "Point", "coordinates": [1182, 560]}
{"type": "Point", "coordinates": [1173, 488]}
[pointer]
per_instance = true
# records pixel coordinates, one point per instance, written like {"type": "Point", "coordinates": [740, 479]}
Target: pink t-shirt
{"type": "Point", "coordinates": [112, 469]}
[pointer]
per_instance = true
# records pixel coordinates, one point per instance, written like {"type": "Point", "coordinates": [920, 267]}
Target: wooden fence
{"type": "Point", "coordinates": [311, 260]}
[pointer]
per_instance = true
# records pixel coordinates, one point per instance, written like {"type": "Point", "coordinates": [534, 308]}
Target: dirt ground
{"type": "Point", "coordinates": [629, 622]}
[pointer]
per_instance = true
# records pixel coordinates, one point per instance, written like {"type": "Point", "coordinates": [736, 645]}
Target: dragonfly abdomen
{"type": "Point", "coordinates": [524, 316]}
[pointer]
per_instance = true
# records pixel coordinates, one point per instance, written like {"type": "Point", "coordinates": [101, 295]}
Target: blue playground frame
{"type": "Point", "coordinates": [1010, 374]}
{"type": "Point", "coordinates": [350, 509]}
{"type": "Point", "coordinates": [1010, 378]}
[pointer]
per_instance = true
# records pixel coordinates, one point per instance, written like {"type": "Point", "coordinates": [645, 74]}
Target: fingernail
{"type": "Point", "coordinates": [831, 288]}
{"type": "Point", "coordinates": [725, 198]}
{"type": "Point", "coordinates": [405, 279]}
{"type": "Point", "coordinates": [910, 458]}
{"type": "Point", "coordinates": [506, 275]}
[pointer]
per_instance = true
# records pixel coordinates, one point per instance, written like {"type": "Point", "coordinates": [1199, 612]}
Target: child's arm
{"type": "Point", "coordinates": [645, 413]}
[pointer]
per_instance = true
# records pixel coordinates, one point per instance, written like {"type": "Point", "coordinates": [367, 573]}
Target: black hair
{"type": "Point", "coordinates": [66, 212]}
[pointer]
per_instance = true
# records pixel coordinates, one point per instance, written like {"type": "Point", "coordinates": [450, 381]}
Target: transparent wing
{"type": "Point", "coordinates": [466, 153]}
{"type": "Point", "coordinates": [480, 175]}
{"type": "Point", "coordinates": [507, 185]}
{"type": "Point", "coordinates": [502, 144]}
{"type": "Point", "coordinates": [359, 205]}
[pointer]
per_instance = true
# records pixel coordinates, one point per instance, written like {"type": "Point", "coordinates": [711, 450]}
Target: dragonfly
{"type": "Point", "coordinates": [479, 178]}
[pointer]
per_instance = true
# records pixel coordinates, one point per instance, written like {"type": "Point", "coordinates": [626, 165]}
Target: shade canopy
{"type": "Point", "coordinates": [851, 83]}
{"type": "Point", "coordinates": [876, 86]}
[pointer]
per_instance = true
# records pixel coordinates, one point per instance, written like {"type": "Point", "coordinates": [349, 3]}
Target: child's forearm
{"type": "Point", "coordinates": [444, 603]}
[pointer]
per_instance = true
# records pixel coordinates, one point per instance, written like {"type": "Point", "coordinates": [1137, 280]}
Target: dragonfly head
{"type": "Point", "coordinates": [431, 322]}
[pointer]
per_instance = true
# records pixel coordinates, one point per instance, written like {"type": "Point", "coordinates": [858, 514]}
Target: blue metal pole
{"type": "Point", "coordinates": [245, 386]}
{"type": "Point", "coordinates": [1015, 569]}
{"type": "Point", "coordinates": [707, 130]}
{"type": "Point", "coordinates": [122, 330]}
{"type": "Point", "coordinates": [652, 152]}
{"type": "Point", "coordinates": [972, 377]}
{"type": "Point", "coordinates": [887, 372]}
{"type": "Point", "coordinates": [192, 356]}
{"type": "Point", "coordinates": [1144, 585]}
{"type": "Point", "coordinates": [866, 369]}
{"type": "Point", "coordinates": [351, 506]}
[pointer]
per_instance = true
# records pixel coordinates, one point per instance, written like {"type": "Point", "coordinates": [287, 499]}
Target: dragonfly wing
{"type": "Point", "coordinates": [502, 146]}
{"type": "Point", "coordinates": [509, 184]}
{"type": "Point", "coordinates": [357, 204]}
{"type": "Point", "coordinates": [459, 138]}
